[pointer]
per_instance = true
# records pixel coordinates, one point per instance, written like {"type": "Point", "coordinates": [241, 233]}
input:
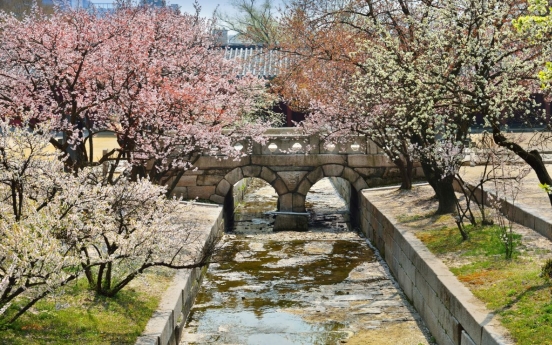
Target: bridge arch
{"type": "Point", "coordinates": [224, 193]}
{"type": "Point", "coordinates": [294, 200]}
{"type": "Point", "coordinates": [292, 186]}
{"type": "Point", "coordinates": [283, 162]}
{"type": "Point", "coordinates": [237, 174]}
{"type": "Point", "coordinates": [333, 170]}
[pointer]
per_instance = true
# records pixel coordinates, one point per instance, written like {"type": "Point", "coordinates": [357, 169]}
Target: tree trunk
{"type": "Point", "coordinates": [99, 280]}
{"type": "Point", "coordinates": [88, 274]}
{"type": "Point", "coordinates": [446, 196]}
{"type": "Point", "coordinates": [405, 168]}
{"type": "Point", "coordinates": [533, 158]}
{"type": "Point", "coordinates": [107, 283]}
{"type": "Point", "coordinates": [86, 267]}
{"type": "Point", "coordinates": [443, 188]}
{"type": "Point", "coordinates": [172, 186]}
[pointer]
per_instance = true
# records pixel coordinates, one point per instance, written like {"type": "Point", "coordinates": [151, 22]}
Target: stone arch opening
{"type": "Point", "coordinates": [227, 189]}
{"type": "Point", "coordinates": [292, 186]}
{"type": "Point", "coordinates": [237, 174]}
{"type": "Point", "coordinates": [334, 170]}
{"type": "Point", "coordinates": [297, 185]}
{"type": "Point", "coordinates": [333, 202]}
{"type": "Point", "coordinates": [329, 186]}
{"type": "Point", "coordinates": [348, 184]}
{"type": "Point", "coordinates": [251, 211]}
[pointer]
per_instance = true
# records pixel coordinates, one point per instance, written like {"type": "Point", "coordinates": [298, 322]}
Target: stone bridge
{"type": "Point", "coordinates": [291, 163]}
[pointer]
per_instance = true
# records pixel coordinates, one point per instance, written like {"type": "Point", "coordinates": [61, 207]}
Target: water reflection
{"type": "Point", "coordinates": [253, 299]}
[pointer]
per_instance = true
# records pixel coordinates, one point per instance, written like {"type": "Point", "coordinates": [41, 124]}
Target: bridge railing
{"type": "Point", "coordinates": [283, 141]}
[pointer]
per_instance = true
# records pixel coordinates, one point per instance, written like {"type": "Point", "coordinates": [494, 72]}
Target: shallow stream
{"type": "Point", "coordinates": [324, 286]}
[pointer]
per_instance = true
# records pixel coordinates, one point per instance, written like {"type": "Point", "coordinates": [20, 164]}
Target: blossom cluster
{"type": "Point", "coordinates": [56, 226]}
{"type": "Point", "coordinates": [152, 76]}
{"type": "Point", "coordinates": [420, 74]}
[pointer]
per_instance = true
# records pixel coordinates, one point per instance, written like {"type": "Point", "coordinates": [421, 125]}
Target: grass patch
{"type": "Point", "coordinates": [484, 241]}
{"type": "Point", "coordinates": [81, 317]}
{"type": "Point", "coordinates": [512, 289]}
{"type": "Point", "coordinates": [407, 218]}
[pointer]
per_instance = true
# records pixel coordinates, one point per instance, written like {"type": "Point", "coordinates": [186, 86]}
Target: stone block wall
{"type": "Point", "coordinates": [451, 312]}
{"type": "Point", "coordinates": [343, 188]}
{"type": "Point", "coordinates": [213, 176]}
{"type": "Point", "coordinates": [239, 190]}
{"type": "Point", "coordinates": [166, 325]}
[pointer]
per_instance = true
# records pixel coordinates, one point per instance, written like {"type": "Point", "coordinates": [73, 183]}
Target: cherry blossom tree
{"type": "Point", "coordinates": [34, 259]}
{"type": "Point", "coordinates": [457, 60]}
{"type": "Point", "coordinates": [150, 75]}
{"type": "Point", "coordinates": [129, 227]}
{"type": "Point", "coordinates": [322, 39]}
{"type": "Point", "coordinates": [56, 226]}
{"type": "Point", "coordinates": [423, 72]}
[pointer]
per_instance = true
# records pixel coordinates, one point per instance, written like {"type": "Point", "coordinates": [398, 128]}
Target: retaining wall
{"type": "Point", "coordinates": [520, 213]}
{"type": "Point", "coordinates": [452, 313]}
{"type": "Point", "coordinates": [166, 325]}
{"type": "Point", "coordinates": [343, 188]}
{"type": "Point", "coordinates": [239, 189]}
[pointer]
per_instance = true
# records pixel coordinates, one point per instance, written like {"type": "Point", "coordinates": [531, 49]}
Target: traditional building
{"type": "Point", "coordinates": [262, 62]}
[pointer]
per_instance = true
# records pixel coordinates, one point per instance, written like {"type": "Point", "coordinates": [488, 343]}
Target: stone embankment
{"type": "Point", "coordinates": [167, 323]}
{"type": "Point", "coordinates": [530, 207]}
{"type": "Point", "coordinates": [452, 313]}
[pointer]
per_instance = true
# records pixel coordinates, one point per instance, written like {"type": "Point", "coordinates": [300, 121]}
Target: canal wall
{"type": "Point", "coordinates": [166, 325]}
{"type": "Point", "coordinates": [452, 313]}
{"type": "Point", "coordinates": [239, 189]}
{"type": "Point", "coordinates": [343, 188]}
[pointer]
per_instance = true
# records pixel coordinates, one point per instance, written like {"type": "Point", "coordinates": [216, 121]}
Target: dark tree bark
{"type": "Point", "coordinates": [444, 190]}
{"type": "Point", "coordinates": [446, 196]}
{"type": "Point", "coordinates": [406, 167]}
{"type": "Point", "coordinates": [533, 158]}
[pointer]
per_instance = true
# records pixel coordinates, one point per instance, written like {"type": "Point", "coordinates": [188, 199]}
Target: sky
{"type": "Point", "coordinates": [207, 6]}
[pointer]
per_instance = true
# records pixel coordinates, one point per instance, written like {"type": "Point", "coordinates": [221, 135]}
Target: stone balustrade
{"type": "Point", "coordinates": [291, 162]}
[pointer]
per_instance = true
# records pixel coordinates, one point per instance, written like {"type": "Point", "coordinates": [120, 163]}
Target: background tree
{"type": "Point", "coordinates": [254, 21]}
{"type": "Point", "coordinates": [150, 75]}
{"type": "Point", "coordinates": [455, 60]}
{"type": "Point", "coordinates": [433, 67]}
{"type": "Point", "coordinates": [20, 7]}
{"type": "Point", "coordinates": [537, 25]}
{"type": "Point", "coordinates": [321, 38]}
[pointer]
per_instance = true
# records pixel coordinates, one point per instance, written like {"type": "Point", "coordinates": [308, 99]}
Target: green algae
{"type": "Point", "coordinates": [267, 287]}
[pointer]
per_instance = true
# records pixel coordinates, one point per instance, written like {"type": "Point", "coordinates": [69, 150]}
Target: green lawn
{"type": "Point", "coordinates": [511, 288]}
{"type": "Point", "coordinates": [81, 317]}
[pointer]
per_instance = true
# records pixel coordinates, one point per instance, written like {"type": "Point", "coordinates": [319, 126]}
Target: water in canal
{"type": "Point", "coordinates": [324, 286]}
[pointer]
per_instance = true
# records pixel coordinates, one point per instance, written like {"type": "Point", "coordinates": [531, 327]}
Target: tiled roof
{"type": "Point", "coordinates": [259, 61]}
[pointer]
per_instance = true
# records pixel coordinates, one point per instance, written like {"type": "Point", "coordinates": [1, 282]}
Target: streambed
{"type": "Point", "coordinates": [324, 286]}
